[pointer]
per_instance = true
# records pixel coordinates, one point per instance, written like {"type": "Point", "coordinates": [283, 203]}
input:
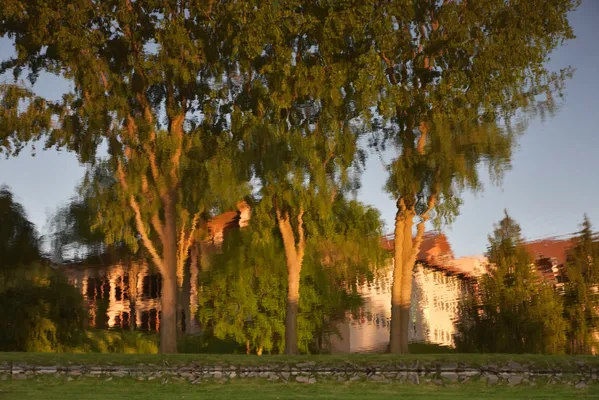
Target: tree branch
{"type": "Point", "coordinates": [177, 132]}
{"type": "Point", "coordinates": [390, 65]}
{"type": "Point", "coordinates": [301, 246]}
{"type": "Point", "coordinates": [422, 139]}
{"type": "Point", "coordinates": [144, 236]}
{"type": "Point", "coordinates": [432, 199]}
{"type": "Point", "coordinates": [138, 219]}
{"type": "Point", "coordinates": [157, 225]}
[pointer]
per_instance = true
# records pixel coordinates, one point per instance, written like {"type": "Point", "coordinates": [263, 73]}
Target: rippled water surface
{"type": "Point", "coordinates": [299, 177]}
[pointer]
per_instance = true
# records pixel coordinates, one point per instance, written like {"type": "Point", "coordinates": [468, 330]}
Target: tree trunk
{"type": "Point", "coordinates": [406, 251]}
{"type": "Point", "coordinates": [403, 258]}
{"type": "Point", "coordinates": [395, 336]}
{"type": "Point", "coordinates": [409, 258]}
{"type": "Point", "coordinates": [168, 320]}
{"type": "Point", "coordinates": [293, 282]}
{"type": "Point", "coordinates": [294, 256]}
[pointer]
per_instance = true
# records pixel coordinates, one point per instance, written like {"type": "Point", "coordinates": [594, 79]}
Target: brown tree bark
{"type": "Point", "coordinates": [294, 255]}
{"type": "Point", "coordinates": [395, 343]}
{"type": "Point", "coordinates": [168, 319]}
{"type": "Point", "coordinates": [406, 248]}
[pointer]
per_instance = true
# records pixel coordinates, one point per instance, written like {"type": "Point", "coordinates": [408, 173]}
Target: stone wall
{"type": "Point", "coordinates": [578, 373]}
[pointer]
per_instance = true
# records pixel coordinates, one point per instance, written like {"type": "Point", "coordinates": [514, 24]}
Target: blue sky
{"type": "Point", "coordinates": [552, 183]}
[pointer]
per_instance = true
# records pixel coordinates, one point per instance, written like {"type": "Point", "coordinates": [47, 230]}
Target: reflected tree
{"type": "Point", "coordinates": [455, 77]}
{"type": "Point", "coordinates": [582, 292]}
{"type": "Point", "coordinates": [19, 242]}
{"type": "Point", "coordinates": [243, 295]}
{"type": "Point", "coordinates": [513, 310]}
{"type": "Point", "coordinates": [39, 309]}
{"type": "Point", "coordinates": [147, 80]}
{"type": "Point", "coordinates": [304, 99]}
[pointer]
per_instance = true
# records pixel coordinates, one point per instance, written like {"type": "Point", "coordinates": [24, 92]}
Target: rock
{"type": "Point", "coordinates": [285, 375]}
{"type": "Point", "coordinates": [414, 378]}
{"type": "Point", "coordinates": [46, 371]}
{"type": "Point", "coordinates": [490, 367]}
{"type": "Point", "coordinates": [19, 377]}
{"type": "Point", "coordinates": [376, 378]}
{"type": "Point", "coordinates": [233, 374]}
{"type": "Point", "coordinates": [70, 379]}
{"type": "Point", "coordinates": [303, 379]}
{"type": "Point", "coordinates": [109, 379]}
{"type": "Point", "coordinates": [581, 385]}
{"type": "Point", "coordinates": [355, 378]}
{"type": "Point", "coordinates": [217, 374]}
{"type": "Point", "coordinates": [450, 376]}
{"type": "Point", "coordinates": [492, 379]}
{"type": "Point", "coordinates": [515, 380]}
{"type": "Point", "coordinates": [514, 366]}
{"type": "Point", "coordinates": [449, 367]}
{"type": "Point", "coordinates": [151, 378]}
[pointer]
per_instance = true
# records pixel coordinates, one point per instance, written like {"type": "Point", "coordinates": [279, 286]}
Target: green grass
{"type": "Point", "coordinates": [88, 389]}
{"type": "Point", "coordinates": [564, 361]}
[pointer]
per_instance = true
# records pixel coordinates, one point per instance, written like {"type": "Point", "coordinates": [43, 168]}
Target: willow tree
{"type": "Point", "coordinates": [146, 80]}
{"type": "Point", "coordinates": [19, 242]}
{"type": "Point", "coordinates": [243, 295]}
{"type": "Point", "coordinates": [301, 107]}
{"type": "Point", "coordinates": [40, 309]}
{"type": "Point", "coordinates": [454, 75]}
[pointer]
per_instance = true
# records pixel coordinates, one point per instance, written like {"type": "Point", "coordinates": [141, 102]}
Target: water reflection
{"type": "Point", "coordinates": [535, 296]}
{"type": "Point", "coordinates": [127, 295]}
{"type": "Point", "coordinates": [202, 107]}
{"type": "Point", "coordinates": [440, 282]}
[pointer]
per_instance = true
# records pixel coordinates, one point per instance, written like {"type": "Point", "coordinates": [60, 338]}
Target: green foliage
{"type": "Point", "coordinates": [581, 291]}
{"type": "Point", "coordinates": [18, 238]}
{"type": "Point", "coordinates": [513, 311]}
{"type": "Point", "coordinates": [243, 295]}
{"type": "Point", "coordinates": [40, 310]}
{"type": "Point", "coordinates": [109, 341]}
{"type": "Point", "coordinates": [456, 76]}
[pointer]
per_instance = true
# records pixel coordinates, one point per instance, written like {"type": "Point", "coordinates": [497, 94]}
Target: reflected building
{"type": "Point", "coordinates": [550, 256]}
{"type": "Point", "coordinates": [439, 283]}
{"type": "Point", "coordinates": [126, 293]}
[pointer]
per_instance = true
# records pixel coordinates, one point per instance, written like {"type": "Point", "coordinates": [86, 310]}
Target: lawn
{"type": "Point", "coordinates": [88, 389]}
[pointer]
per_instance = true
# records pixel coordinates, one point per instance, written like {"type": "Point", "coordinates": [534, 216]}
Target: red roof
{"type": "Point", "coordinates": [549, 248]}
